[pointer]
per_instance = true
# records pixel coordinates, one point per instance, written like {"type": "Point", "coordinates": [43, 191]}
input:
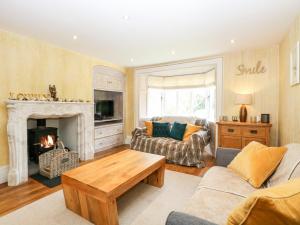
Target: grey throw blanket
{"type": "Point", "coordinates": [188, 153]}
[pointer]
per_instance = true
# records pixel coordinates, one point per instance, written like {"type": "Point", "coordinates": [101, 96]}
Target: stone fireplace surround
{"type": "Point", "coordinates": [20, 111]}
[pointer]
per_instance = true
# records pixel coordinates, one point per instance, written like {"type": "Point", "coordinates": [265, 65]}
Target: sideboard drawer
{"type": "Point", "coordinates": [254, 132]}
{"type": "Point", "coordinates": [231, 130]}
{"type": "Point", "coordinates": [231, 142]}
{"type": "Point", "coordinates": [108, 130]}
{"type": "Point", "coordinates": [247, 140]}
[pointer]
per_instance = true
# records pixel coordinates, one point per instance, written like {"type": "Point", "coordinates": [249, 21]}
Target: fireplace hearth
{"type": "Point", "coordinates": [40, 140]}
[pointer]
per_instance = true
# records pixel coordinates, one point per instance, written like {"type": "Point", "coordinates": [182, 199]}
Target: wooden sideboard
{"type": "Point", "coordinates": [238, 135]}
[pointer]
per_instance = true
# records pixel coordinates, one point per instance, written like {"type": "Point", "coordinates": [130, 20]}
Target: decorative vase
{"type": "Point", "coordinates": [243, 113]}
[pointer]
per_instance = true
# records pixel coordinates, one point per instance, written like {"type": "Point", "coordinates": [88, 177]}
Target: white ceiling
{"type": "Point", "coordinates": [155, 28]}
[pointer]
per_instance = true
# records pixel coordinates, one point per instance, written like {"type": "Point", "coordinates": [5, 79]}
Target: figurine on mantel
{"type": "Point", "coordinates": [53, 92]}
{"type": "Point", "coordinates": [42, 97]}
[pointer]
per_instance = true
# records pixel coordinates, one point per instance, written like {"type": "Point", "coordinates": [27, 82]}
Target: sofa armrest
{"type": "Point", "coordinates": [138, 131]}
{"type": "Point", "coordinates": [197, 143]}
{"type": "Point", "coordinates": [225, 155]}
{"type": "Point", "coordinates": [178, 218]}
{"type": "Point", "coordinates": [202, 136]}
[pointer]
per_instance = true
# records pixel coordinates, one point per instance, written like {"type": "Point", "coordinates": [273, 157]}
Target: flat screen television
{"type": "Point", "coordinates": [104, 109]}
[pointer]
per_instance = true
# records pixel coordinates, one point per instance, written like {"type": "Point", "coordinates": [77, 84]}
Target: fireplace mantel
{"type": "Point", "coordinates": [20, 111]}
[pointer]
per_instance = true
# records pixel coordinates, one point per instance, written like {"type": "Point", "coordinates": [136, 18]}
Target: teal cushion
{"type": "Point", "coordinates": [161, 129]}
{"type": "Point", "coordinates": [178, 130]}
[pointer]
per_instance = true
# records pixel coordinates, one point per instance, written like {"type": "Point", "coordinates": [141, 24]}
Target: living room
{"type": "Point", "coordinates": [149, 113]}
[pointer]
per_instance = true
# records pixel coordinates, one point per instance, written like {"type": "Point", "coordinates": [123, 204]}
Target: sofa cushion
{"type": "Point", "coordinates": [212, 205]}
{"type": "Point", "coordinates": [190, 129]}
{"type": "Point", "coordinates": [179, 218]}
{"type": "Point", "coordinates": [276, 205]}
{"type": "Point", "coordinates": [255, 171]}
{"type": "Point", "coordinates": [177, 131]}
{"type": "Point", "coordinates": [222, 179]}
{"type": "Point", "coordinates": [289, 166]}
{"type": "Point", "coordinates": [161, 129]}
{"type": "Point", "coordinates": [149, 128]}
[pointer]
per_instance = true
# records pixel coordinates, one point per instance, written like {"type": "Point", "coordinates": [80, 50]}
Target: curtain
{"type": "Point", "coordinates": [183, 81]}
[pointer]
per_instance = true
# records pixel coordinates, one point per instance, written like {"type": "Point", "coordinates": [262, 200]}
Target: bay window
{"type": "Point", "coordinates": [186, 95]}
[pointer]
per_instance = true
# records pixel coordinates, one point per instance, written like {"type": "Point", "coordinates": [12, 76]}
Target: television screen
{"type": "Point", "coordinates": [104, 108]}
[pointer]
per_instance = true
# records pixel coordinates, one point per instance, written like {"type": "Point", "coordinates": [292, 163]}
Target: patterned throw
{"type": "Point", "coordinates": [187, 153]}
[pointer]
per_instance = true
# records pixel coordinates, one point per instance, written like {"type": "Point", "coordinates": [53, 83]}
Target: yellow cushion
{"type": "Point", "coordinates": [149, 128]}
{"type": "Point", "coordinates": [256, 162]}
{"type": "Point", "coordinates": [190, 129]}
{"type": "Point", "coordinates": [279, 205]}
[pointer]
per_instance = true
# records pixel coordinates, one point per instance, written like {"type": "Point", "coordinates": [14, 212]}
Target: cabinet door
{"type": "Point", "coordinates": [231, 142]}
{"type": "Point", "coordinates": [114, 83]}
{"type": "Point", "coordinates": [108, 142]}
{"type": "Point", "coordinates": [247, 140]}
{"type": "Point", "coordinates": [101, 132]}
{"type": "Point", "coordinates": [108, 82]}
{"type": "Point", "coordinates": [99, 82]}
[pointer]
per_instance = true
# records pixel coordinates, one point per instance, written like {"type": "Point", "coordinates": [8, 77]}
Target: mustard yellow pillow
{"type": "Point", "coordinates": [190, 129]}
{"type": "Point", "coordinates": [149, 128]}
{"type": "Point", "coordinates": [256, 162]}
{"type": "Point", "coordinates": [279, 205]}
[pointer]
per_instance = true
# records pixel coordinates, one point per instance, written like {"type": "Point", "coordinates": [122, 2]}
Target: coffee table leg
{"type": "Point", "coordinates": [99, 212]}
{"type": "Point", "coordinates": [157, 177]}
{"type": "Point", "coordinates": [108, 213]}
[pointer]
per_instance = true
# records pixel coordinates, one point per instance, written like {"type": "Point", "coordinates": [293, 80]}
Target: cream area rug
{"type": "Point", "coordinates": [142, 205]}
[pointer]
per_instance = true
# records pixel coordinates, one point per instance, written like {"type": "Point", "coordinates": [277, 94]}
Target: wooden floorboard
{"type": "Point", "coordinates": [12, 198]}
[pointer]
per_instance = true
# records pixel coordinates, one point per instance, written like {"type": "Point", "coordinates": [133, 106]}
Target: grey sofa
{"type": "Point", "coordinates": [187, 153]}
{"type": "Point", "coordinates": [221, 190]}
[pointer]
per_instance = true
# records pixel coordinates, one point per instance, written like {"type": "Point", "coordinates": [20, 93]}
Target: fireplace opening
{"type": "Point", "coordinates": [44, 134]}
{"type": "Point", "coordinates": [40, 140]}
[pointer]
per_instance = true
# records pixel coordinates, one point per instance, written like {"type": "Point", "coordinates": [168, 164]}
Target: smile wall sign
{"type": "Point", "coordinates": [257, 69]}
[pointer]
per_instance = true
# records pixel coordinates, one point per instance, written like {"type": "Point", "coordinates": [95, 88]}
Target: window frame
{"type": "Point", "coordinates": [163, 92]}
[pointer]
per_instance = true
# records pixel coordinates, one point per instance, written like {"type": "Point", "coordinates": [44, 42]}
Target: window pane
{"type": "Point", "coordinates": [199, 102]}
{"type": "Point", "coordinates": [154, 104]}
{"type": "Point", "coordinates": [184, 106]}
{"type": "Point", "coordinates": [170, 102]}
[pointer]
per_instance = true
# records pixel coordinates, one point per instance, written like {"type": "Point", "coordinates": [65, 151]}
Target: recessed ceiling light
{"type": "Point", "coordinates": [125, 17]}
{"type": "Point", "coordinates": [232, 41]}
{"type": "Point", "coordinates": [131, 60]}
{"type": "Point", "coordinates": [173, 52]}
{"type": "Point", "coordinates": [75, 37]}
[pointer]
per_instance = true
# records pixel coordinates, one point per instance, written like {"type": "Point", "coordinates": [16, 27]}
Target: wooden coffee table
{"type": "Point", "coordinates": [91, 190]}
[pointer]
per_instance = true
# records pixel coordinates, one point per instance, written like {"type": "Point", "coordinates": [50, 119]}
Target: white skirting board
{"type": "Point", "coordinates": [3, 174]}
{"type": "Point", "coordinates": [128, 140]}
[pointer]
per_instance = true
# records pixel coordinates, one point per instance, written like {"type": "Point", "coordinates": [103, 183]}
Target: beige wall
{"type": "Point", "coordinates": [289, 110]}
{"type": "Point", "coordinates": [28, 65]}
{"type": "Point", "coordinates": [264, 87]}
{"type": "Point", "coordinates": [129, 126]}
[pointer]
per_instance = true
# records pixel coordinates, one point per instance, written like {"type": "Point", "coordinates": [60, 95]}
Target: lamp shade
{"type": "Point", "coordinates": [243, 99]}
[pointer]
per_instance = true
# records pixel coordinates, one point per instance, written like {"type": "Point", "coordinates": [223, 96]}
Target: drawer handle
{"type": "Point", "coordinates": [253, 131]}
{"type": "Point", "coordinates": [230, 130]}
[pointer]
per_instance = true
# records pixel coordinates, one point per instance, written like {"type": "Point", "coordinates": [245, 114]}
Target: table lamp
{"type": "Point", "coordinates": [243, 100]}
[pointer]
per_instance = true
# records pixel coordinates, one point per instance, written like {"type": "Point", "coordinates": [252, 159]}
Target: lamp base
{"type": "Point", "coordinates": [243, 113]}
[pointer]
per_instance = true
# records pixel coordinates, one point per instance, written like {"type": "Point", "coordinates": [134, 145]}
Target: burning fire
{"type": "Point", "coordinates": [47, 141]}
